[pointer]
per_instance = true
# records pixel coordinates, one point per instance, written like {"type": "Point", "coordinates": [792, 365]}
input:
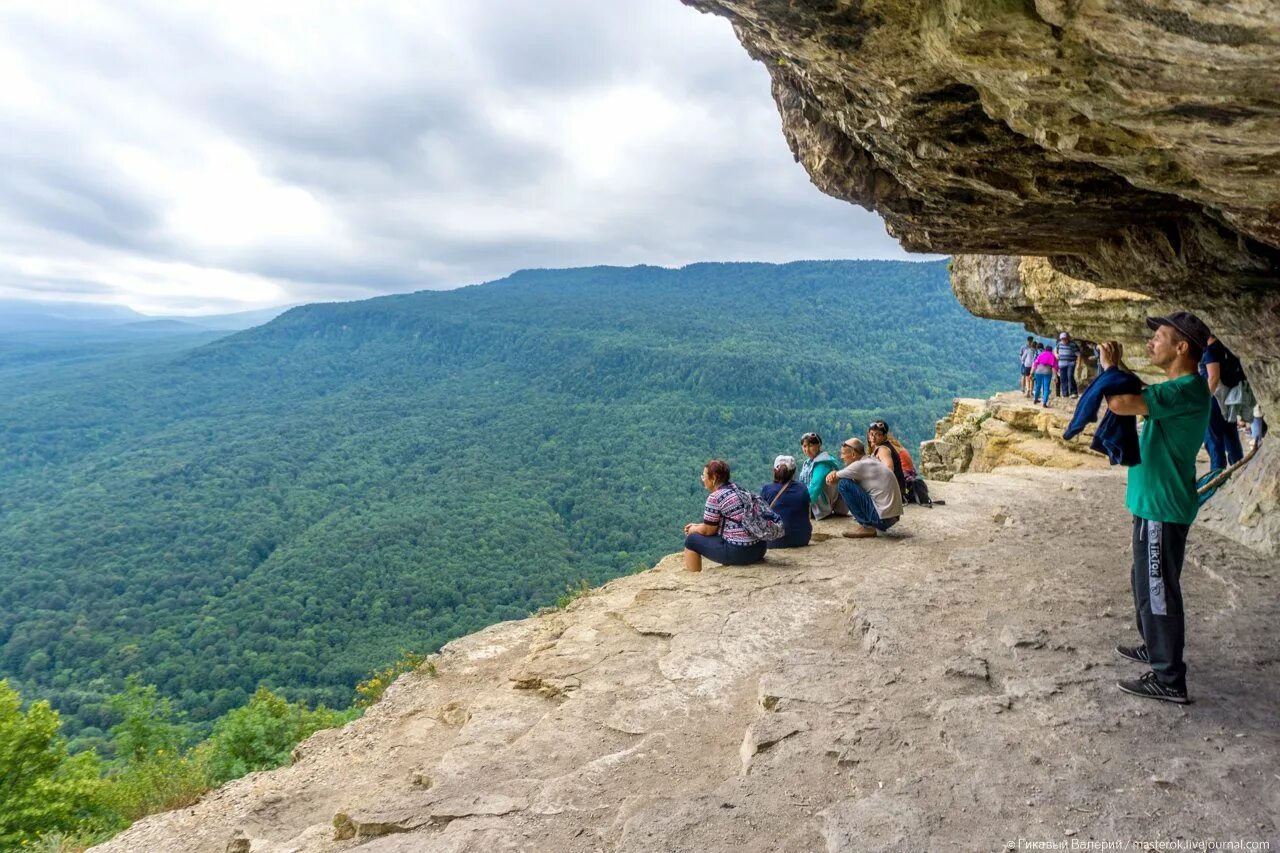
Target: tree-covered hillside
{"type": "Point", "coordinates": [293, 505]}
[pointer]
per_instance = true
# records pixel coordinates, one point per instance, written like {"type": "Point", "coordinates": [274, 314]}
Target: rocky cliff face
{"type": "Point", "coordinates": [1134, 144]}
{"type": "Point", "coordinates": [1030, 291]}
{"type": "Point", "coordinates": [979, 436]}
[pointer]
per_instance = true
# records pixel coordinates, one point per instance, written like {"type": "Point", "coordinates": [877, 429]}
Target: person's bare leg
{"type": "Point", "coordinates": [692, 561]}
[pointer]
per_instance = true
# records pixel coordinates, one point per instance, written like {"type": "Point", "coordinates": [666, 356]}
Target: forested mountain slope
{"type": "Point", "coordinates": [295, 504]}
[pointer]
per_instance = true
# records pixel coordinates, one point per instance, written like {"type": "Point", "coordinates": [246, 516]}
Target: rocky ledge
{"type": "Point", "coordinates": [949, 686]}
{"type": "Point", "coordinates": [983, 435]}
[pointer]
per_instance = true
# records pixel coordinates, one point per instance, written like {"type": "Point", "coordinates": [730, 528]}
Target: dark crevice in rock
{"type": "Point", "coordinates": [1180, 23]}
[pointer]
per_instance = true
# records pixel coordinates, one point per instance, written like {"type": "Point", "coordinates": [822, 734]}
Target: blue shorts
{"type": "Point", "coordinates": [717, 550]}
{"type": "Point", "coordinates": [1026, 371]}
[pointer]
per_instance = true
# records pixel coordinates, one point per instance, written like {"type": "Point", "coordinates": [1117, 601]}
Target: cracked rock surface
{"type": "Point", "coordinates": [948, 686]}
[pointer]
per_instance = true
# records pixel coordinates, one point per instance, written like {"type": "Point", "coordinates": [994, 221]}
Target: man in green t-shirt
{"type": "Point", "coordinates": [1161, 494]}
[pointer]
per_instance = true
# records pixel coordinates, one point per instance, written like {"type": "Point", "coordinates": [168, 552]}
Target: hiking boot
{"type": "Point", "coordinates": [861, 533]}
{"type": "Point", "coordinates": [1149, 687]}
{"type": "Point", "coordinates": [1134, 653]}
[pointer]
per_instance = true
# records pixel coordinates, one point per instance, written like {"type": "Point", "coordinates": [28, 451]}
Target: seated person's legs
{"type": "Point", "coordinates": [835, 503]}
{"type": "Point", "coordinates": [717, 550]}
{"type": "Point", "coordinates": [838, 505]}
{"type": "Point", "coordinates": [860, 504]}
{"type": "Point", "coordinates": [693, 556]}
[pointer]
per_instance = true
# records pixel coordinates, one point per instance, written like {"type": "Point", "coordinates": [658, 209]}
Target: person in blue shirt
{"type": "Point", "coordinates": [790, 500]}
{"type": "Point", "coordinates": [1221, 438]}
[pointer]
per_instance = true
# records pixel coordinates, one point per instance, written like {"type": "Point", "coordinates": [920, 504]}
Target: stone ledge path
{"type": "Point", "coordinates": [951, 687]}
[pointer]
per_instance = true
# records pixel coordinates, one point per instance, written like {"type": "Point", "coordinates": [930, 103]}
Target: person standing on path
{"type": "Point", "coordinates": [1046, 365]}
{"type": "Point", "coordinates": [1221, 438]}
{"type": "Point", "coordinates": [1068, 352]}
{"type": "Point", "coordinates": [1161, 495]}
{"type": "Point", "coordinates": [1026, 358]}
{"type": "Point", "coordinates": [1086, 366]}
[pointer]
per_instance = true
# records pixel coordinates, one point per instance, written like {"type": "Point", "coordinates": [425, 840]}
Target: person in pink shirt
{"type": "Point", "coordinates": [1042, 372]}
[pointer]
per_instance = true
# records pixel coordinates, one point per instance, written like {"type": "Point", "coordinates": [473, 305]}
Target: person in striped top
{"type": "Point", "coordinates": [1067, 352]}
{"type": "Point", "coordinates": [720, 537]}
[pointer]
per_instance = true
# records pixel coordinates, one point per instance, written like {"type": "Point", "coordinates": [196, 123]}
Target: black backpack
{"type": "Point", "coordinates": [1230, 372]}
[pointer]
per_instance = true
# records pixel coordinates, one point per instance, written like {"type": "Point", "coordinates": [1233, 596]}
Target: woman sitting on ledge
{"type": "Point", "coordinates": [720, 537]}
{"type": "Point", "coordinates": [883, 443]}
{"type": "Point", "coordinates": [790, 501]}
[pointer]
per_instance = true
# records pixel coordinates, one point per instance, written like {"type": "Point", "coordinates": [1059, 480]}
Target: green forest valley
{"type": "Point", "coordinates": [205, 549]}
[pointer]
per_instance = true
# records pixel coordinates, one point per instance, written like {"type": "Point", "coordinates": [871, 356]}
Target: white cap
{"type": "Point", "coordinates": [785, 462]}
{"type": "Point", "coordinates": [1063, 336]}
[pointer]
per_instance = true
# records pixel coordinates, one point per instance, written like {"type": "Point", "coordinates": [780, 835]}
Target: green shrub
{"type": "Point", "coordinates": [371, 689]}
{"type": "Point", "coordinates": [572, 593]}
{"type": "Point", "coordinates": [149, 726]}
{"type": "Point", "coordinates": [43, 790]}
{"type": "Point", "coordinates": [157, 783]}
{"type": "Point", "coordinates": [262, 734]}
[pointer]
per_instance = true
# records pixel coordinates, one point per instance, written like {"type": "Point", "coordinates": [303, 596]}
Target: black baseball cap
{"type": "Point", "coordinates": [1187, 324]}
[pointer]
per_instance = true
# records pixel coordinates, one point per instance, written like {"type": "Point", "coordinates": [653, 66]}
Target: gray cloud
{"type": "Point", "coordinates": [178, 158]}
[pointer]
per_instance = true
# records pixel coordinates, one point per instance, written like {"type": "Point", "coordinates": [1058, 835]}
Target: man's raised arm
{"type": "Point", "coordinates": [1127, 404]}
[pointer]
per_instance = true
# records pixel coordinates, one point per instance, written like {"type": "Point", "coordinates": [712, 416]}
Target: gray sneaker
{"type": "Point", "coordinates": [1149, 687]}
{"type": "Point", "coordinates": [1134, 653]}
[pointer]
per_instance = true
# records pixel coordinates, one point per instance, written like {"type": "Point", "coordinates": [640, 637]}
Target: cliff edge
{"type": "Point", "coordinates": [951, 685]}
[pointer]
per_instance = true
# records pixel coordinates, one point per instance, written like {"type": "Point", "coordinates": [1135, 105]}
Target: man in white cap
{"type": "Point", "coordinates": [1161, 494]}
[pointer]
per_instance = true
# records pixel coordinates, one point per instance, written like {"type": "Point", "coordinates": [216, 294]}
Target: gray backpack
{"type": "Point", "coordinates": [756, 517]}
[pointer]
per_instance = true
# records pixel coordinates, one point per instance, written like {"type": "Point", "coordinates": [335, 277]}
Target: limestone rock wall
{"type": "Point", "coordinates": [979, 436]}
{"type": "Point", "coordinates": [1133, 144]}
{"type": "Point", "coordinates": [1030, 291]}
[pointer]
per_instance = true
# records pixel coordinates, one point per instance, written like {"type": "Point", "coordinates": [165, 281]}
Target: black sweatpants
{"type": "Point", "coordinates": [1158, 549]}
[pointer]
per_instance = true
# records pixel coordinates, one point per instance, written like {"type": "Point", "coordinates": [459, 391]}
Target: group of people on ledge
{"type": "Point", "coordinates": [1070, 367]}
{"type": "Point", "coordinates": [876, 478]}
{"type": "Point", "coordinates": [1065, 368]}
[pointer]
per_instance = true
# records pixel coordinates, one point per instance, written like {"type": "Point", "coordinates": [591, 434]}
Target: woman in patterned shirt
{"type": "Point", "coordinates": [720, 537]}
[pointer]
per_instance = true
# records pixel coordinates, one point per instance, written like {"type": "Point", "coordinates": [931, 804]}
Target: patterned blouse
{"type": "Point", "coordinates": [725, 505]}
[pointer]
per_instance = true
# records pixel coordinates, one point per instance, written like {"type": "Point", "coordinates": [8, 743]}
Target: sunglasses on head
{"type": "Point", "coordinates": [879, 426]}
{"type": "Point", "coordinates": [809, 437]}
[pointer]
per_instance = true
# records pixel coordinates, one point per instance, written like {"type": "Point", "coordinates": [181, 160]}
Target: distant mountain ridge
{"type": "Point", "coordinates": [294, 504]}
{"type": "Point", "coordinates": [47, 333]}
{"type": "Point", "coordinates": [27, 316]}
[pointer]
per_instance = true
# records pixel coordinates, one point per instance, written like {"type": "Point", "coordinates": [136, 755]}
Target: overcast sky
{"type": "Point", "coordinates": [184, 158]}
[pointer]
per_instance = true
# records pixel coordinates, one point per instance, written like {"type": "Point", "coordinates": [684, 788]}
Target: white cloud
{"type": "Point", "coordinates": [185, 157]}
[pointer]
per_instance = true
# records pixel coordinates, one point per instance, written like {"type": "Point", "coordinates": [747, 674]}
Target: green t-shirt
{"type": "Point", "coordinates": [1163, 487]}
